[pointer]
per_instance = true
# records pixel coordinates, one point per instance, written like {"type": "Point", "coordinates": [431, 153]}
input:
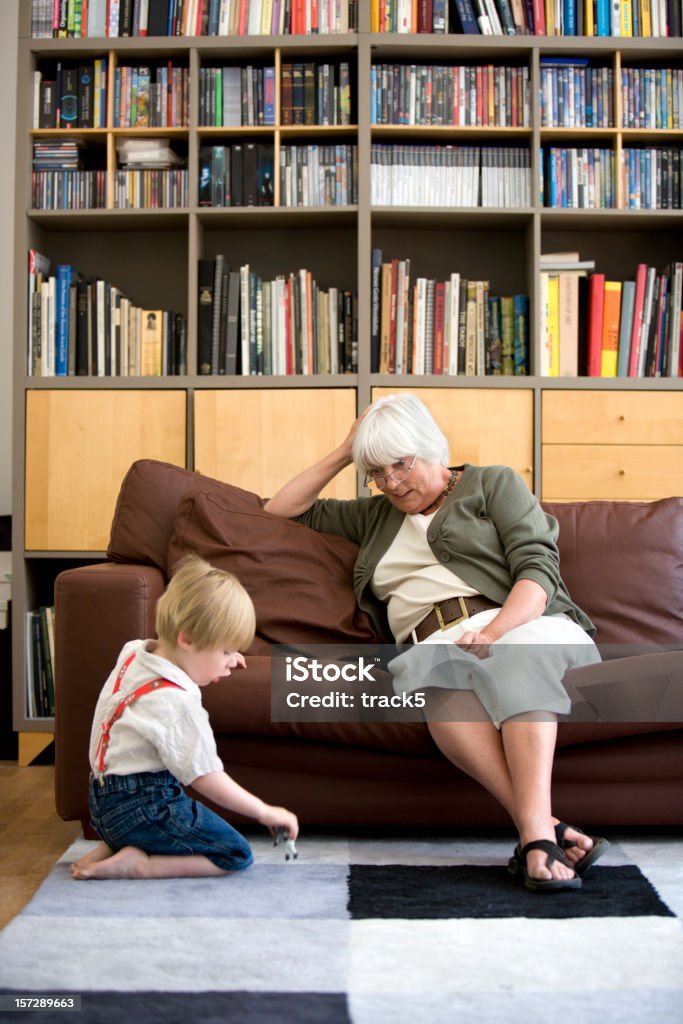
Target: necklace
{"type": "Point", "coordinates": [452, 480]}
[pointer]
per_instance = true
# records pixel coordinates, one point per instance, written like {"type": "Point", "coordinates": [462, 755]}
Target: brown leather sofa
{"type": "Point", "coordinates": [622, 562]}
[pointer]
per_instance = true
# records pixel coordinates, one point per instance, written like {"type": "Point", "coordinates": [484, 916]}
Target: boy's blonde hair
{"type": "Point", "coordinates": [209, 605]}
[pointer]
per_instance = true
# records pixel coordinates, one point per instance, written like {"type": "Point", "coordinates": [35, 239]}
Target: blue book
{"type": "Point", "coordinates": [212, 29]}
{"type": "Point", "coordinates": [569, 17]}
{"type": "Point", "coordinates": [602, 21]}
{"type": "Point", "coordinates": [269, 96]}
{"type": "Point", "coordinates": [64, 275]}
{"type": "Point", "coordinates": [468, 22]}
{"type": "Point", "coordinates": [521, 334]}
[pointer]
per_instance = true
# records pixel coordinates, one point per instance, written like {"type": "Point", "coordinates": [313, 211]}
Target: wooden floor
{"type": "Point", "coordinates": [32, 836]}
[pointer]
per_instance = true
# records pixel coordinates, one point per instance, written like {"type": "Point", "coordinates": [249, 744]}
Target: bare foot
{"type": "Point", "coordinates": [537, 866]}
{"type": "Point", "coordinates": [129, 862]}
{"type": "Point", "coordinates": [101, 852]}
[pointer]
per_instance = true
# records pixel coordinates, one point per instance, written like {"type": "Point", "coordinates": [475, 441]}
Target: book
{"type": "Point", "coordinates": [151, 342]}
{"type": "Point", "coordinates": [569, 324]}
{"type": "Point", "coordinates": [596, 299]}
{"type": "Point", "coordinates": [628, 291]}
{"type": "Point", "coordinates": [205, 282]}
{"type": "Point", "coordinates": [637, 324]}
{"type": "Point", "coordinates": [610, 328]}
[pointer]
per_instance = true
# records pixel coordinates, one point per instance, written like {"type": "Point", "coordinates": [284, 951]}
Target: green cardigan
{"type": "Point", "coordinates": [490, 531]}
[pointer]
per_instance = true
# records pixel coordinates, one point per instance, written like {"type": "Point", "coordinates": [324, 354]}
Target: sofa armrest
{"type": "Point", "coordinates": [97, 609]}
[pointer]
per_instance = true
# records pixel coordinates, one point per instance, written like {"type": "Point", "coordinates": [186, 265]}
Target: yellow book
{"type": "Point", "coordinates": [569, 324]}
{"type": "Point", "coordinates": [374, 15]}
{"type": "Point", "coordinates": [626, 18]}
{"type": "Point", "coordinates": [552, 336]}
{"type": "Point", "coordinates": [589, 24]}
{"type": "Point", "coordinates": [645, 18]}
{"type": "Point", "coordinates": [611, 312]}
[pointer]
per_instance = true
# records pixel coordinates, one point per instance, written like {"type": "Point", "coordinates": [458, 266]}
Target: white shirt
{"type": "Point", "coordinates": [410, 579]}
{"type": "Point", "coordinates": [165, 729]}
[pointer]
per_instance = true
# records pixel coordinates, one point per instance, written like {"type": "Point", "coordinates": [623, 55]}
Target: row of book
{"type": "Point", "coordinates": [452, 327]}
{"type": "Point", "coordinates": [578, 178]}
{"type": "Point", "coordinates": [644, 18]}
{"type": "Point", "coordinates": [40, 658]}
{"type": "Point", "coordinates": [84, 327]}
{"type": "Point", "coordinates": [71, 96]}
{"type": "Point", "coordinates": [315, 94]}
{"type": "Point", "coordinates": [652, 98]}
{"type": "Point", "coordinates": [69, 190]}
{"type": "Point", "coordinates": [609, 328]}
{"type": "Point", "coordinates": [574, 95]}
{"type": "Point", "coordinates": [319, 175]}
{"type": "Point", "coordinates": [251, 326]}
{"type": "Point", "coordinates": [151, 98]}
{"type": "Point", "coordinates": [236, 96]}
{"type": "Point", "coordinates": [151, 190]}
{"type": "Point", "coordinates": [238, 175]}
{"type": "Point", "coordinates": [466, 95]}
{"type": "Point", "coordinates": [66, 19]}
{"type": "Point", "coordinates": [650, 178]}
{"type": "Point", "coordinates": [452, 176]}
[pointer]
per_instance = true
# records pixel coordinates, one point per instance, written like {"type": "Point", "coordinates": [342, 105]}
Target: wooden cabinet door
{"type": "Point", "coordinates": [612, 445]}
{"type": "Point", "coordinates": [259, 440]}
{"type": "Point", "coordinates": [484, 426]}
{"type": "Point", "coordinates": [79, 446]}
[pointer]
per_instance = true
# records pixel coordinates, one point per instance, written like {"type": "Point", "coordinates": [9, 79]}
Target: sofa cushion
{"type": "Point", "coordinates": [146, 509]}
{"type": "Point", "coordinates": [300, 581]}
{"type": "Point", "coordinates": [622, 562]}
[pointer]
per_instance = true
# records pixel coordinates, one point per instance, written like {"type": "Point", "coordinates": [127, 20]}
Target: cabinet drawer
{"type": "Point", "coordinates": [602, 471]}
{"type": "Point", "coordinates": [612, 417]}
{"type": "Point", "coordinates": [79, 447]}
{"type": "Point", "coordinates": [259, 440]}
{"type": "Point", "coordinates": [484, 426]}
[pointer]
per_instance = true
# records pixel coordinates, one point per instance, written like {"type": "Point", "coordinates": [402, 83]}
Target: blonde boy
{"type": "Point", "coordinates": [151, 736]}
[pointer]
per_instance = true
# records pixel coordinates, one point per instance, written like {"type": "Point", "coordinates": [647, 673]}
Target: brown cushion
{"type": "Point", "coordinates": [300, 581]}
{"type": "Point", "coordinates": [622, 562]}
{"type": "Point", "coordinates": [146, 509]}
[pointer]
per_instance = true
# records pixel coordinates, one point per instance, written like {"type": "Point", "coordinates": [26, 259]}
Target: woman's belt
{"type": "Point", "coordinates": [451, 612]}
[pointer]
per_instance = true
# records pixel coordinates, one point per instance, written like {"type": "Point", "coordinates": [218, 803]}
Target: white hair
{"type": "Point", "coordinates": [396, 426]}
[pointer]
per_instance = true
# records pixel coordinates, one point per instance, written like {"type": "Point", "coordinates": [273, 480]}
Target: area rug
{"type": "Point", "coordinates": [360, 931]}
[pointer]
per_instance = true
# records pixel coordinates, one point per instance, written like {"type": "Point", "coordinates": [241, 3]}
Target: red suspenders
{"type": "Point", "coordinates": [154, 684]}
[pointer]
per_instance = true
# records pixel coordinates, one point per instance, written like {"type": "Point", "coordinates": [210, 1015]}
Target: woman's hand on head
{"type": "Point", "coordinates": [347, 443]}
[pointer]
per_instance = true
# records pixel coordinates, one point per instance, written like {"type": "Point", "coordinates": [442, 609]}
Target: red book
{"type": "Point", "coordinates": [392, 317]}
{"type": "Point", "coordinates": [425, 16]}
{"type": "Point", "coordinates": [637, 327]}
{"type": "Point", "coordinates": [439, 325]}
{"type": "Point", "coordinates": [596, 302]}
{"type": "Point", "coordinates": [539, 17]}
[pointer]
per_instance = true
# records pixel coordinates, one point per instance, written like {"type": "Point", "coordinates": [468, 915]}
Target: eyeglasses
{"type": "Point", "coordinates": [380, 479]}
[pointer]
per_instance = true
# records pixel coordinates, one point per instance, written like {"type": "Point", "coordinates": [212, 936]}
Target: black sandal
{"type": "Point", "coordinates": [554, 854]}
{"type": "Point", "coordinates": [596, 851]}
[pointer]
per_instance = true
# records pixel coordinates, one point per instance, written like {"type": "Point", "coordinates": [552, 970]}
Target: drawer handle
{"type": "Point", "coordinates": [622, 418]}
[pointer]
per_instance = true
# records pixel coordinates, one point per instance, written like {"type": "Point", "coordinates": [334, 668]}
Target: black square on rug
{"type": "Point", "coordinates": [429, 892]}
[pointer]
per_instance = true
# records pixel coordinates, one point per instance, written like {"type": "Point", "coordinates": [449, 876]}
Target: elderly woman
{"type": "Point", "coordinates": [461, 562]}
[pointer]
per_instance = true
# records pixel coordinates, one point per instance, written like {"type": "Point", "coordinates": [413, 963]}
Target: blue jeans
{"type": "Point", "coordinates": [150, 810]}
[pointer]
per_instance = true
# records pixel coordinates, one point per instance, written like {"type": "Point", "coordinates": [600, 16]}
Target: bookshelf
{"type": "Point", "coordinates": [571, 437]}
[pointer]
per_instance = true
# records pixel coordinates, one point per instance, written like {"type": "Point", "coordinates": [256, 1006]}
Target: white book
{"type": "Point", "coordinates": [333, 329]}
{"type": "Point", "coordinates": [224, 18]}
{"type": "Point", "coordinates": [37, 81]}
{"type": "Point", "coordinates": [454, 312]}
{"type": "Point", "coordinates": [616, 18]}
{"type": "Point", "coordinates": [420, 326]}
{"type": "Point", "coordinates": [244, 318]}
{"type": "Point", "coordinates": [97, 18]}
{"type": "Point", "coordinates": [254, 18]}
{"type": "Point", "coordinates": [31, 711]}
{"type": "Point", "coordinates": [650, 299]}
{"type": "Point", "coordinates": [100, 348]}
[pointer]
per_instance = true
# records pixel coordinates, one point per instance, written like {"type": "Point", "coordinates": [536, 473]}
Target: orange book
{"type": "Point", "coordinates": [611, 312]}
